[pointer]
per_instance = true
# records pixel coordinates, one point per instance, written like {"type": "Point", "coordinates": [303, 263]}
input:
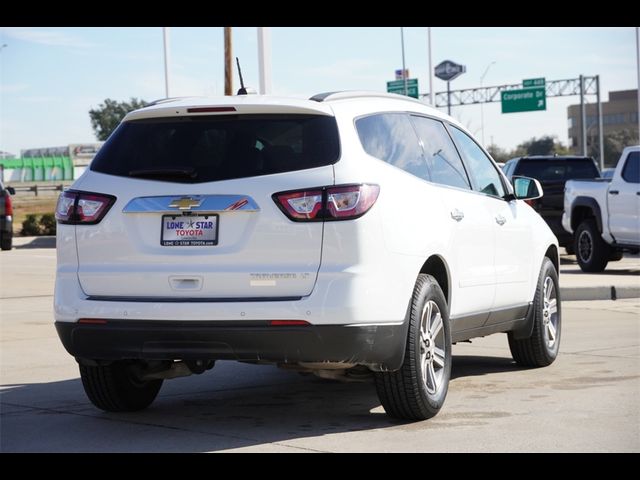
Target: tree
{"type": "Point", "coordinates": [108, 115]}
{"type": "Point", "coordinates": [546, 145]}
{"type": "Point", "coordinates": [499, 154]}
{"type": "Point", "coordinates": [615, 142]}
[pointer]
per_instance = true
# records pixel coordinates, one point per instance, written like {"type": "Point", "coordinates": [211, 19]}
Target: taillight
{"type": "Point", "coordinates": [8, 206]}
{"type": "Point", "coordinates": [531, 203]}
{"type": "Point", "coordinates": [82, 208]}
{"type": "Point", "coordinates": [343, 202]}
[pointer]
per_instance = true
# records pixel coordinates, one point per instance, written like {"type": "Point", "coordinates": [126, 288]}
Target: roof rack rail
{"type": "Point", "coordinates": [167, 100]}
{"type": "Point", "coordinates": [340, 95]}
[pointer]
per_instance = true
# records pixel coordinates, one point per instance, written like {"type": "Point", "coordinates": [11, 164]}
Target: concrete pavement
{"type": "Point", "coordinates": [588, 400]}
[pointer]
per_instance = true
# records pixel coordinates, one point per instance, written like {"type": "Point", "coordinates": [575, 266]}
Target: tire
{"type": "Point", "coordinates": [418, 389]}
{"type": "Point", "coordinates": [541, 348]}
{"type": "Point", "coordinates": [6, 242]}
{"type": "Point", "coordinates": [112, 387]}
{"type": "Point", "coordinates": [592, 252]}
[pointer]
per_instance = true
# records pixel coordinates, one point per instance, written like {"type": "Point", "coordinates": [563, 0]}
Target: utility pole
{"type": "Point", "coordinates": [600, 128]}
{"type": "Point", "coordinates": [432, 94]}
{"type": "Point", "coordinates": [165, 41]}
{"type": "Point", "coordinates": [638, 67]}
{"type": "Point", "coordinates": [404, 70]}
{"type": "Point", "coordinates": [228, 64]}
{"type": "Point", "coordinates": [264, 59]}
{"type": "Point", "coordinates": [482, 104]}
{"type": "Point", "coordinates": [583, 118]}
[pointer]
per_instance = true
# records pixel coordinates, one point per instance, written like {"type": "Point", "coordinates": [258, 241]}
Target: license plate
{"type": "Point", "coordinates": [189, 230]}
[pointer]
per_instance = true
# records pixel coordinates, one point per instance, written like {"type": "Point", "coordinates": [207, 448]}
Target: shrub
{"type": "Point", "coordinates": [48, 224]}
{"type": "Point", "coordinates": [30, 226]}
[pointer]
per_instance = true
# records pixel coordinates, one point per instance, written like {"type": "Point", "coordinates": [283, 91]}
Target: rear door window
{"type": "Point", "coordinates": [442, 158]}
{"type": "Point", "coordinates": [198, 149]}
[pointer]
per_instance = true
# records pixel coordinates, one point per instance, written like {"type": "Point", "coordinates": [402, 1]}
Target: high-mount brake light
{"type": "Point", "coordinates": [342, 202]}
{"type": "Point", "coordinates": [288, 323]}
{"type": "Point", "coordinates": [210, 109]}
{"type": "Point", "coordinates": [82, 208]}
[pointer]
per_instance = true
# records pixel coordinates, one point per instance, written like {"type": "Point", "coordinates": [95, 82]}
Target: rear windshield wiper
{"type": "Point", "coordinates": [186, 172]}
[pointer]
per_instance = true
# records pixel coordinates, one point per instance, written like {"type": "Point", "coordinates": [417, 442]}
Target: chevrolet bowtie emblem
{"type": "Point", "coordinates": [185, 203]}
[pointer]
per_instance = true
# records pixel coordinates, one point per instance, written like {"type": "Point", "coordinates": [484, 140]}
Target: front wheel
{"type": "Point", "coordinates": [541, 348]}
{"type": "Point", "coordinates": [592, 252]}
{"type": "Point", "coordinates": [417, 391]}
{"type": "Point", "coordinates": [115, 388]}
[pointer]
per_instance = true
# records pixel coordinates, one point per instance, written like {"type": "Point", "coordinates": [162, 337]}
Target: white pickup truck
{"type": "Point", "coordinates": [605, 214]}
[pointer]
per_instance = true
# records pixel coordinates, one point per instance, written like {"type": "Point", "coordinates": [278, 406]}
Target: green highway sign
{"type": "Point", "coordinates": [397, 86]}
{"type": "Point", "coordinates": [523, 100]}
{"type": "Point", "coordinates": [533, 82]}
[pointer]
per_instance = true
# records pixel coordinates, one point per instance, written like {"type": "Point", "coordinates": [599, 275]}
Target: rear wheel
{"type": "Point", "coordinates": [417, 391]}
{"type": "Point", "coordinates": [592, 252]}
{"type": "Point", "coordinates": [6, 242]}
{"type": "Point", "coordinates": [541, 348]}
{"type": "Point", "coordinates": [115, 388]}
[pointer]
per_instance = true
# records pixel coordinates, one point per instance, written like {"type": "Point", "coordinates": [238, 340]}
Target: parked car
{"type": "Point", "coordinates": [352, 235]}
{"type": "Point", "coordinates": [6, 217]}
{"type": "Point", "coordinates": [552, 172]}
{"type": "Point", "coordinates": [605, 215]}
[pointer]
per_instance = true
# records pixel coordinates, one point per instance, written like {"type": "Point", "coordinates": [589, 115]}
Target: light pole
{"type": "Point", "coordinates": [165, 43]}
{"type": "Point", "coordinates": [482, 104]}
{"type": "Point", "coordinates": [404, 71]}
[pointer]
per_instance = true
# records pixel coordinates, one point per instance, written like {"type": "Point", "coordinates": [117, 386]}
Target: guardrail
{"type": "Point", "coordinates": [37, 188]}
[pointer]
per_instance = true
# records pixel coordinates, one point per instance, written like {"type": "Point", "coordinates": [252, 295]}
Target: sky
{"type": "Point", "coordinates": [51, 77]}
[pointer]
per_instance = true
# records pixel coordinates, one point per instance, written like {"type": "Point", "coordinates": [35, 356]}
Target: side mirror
{"type": "Point", "coordinates": [11, 190]}
{"type": "Point", "coordinates": [526, 188]}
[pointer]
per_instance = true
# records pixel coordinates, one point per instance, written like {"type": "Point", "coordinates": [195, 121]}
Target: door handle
{"type": "Point", "coordinates": [500, 220]}
{"type": "Point", "coordinates": [457, 215]}
{"type": "Point", "coordinates": [613, 192]}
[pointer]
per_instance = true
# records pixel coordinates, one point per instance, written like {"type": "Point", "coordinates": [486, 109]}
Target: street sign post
{"type": "Point", "coordinates": [523, 100]}
{"type": "Point", "coordinates": [448, 71]}
{"type": "Point", "coordinates": [397, 86]}
{"type": "Point", "coordinates": [533, 82]}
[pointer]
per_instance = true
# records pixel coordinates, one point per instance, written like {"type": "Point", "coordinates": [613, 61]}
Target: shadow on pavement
{"type": "Point", "coordinates": [35, 242]}
{"type": "Point", "coordinates": [242, 406]}
{"type": "Point", "coordinates": [472, 365]}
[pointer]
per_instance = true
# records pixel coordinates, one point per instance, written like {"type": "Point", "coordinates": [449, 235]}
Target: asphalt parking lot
{"type": "Point", "coordinates": [588, 400]}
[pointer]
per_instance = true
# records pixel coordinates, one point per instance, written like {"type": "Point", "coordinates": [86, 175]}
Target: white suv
{"type": "Point", "coordinates": [354, 235]}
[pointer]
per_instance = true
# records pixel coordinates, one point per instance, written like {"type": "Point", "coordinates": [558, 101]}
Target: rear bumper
{"type": "Point", "coordinates": [380, 347]}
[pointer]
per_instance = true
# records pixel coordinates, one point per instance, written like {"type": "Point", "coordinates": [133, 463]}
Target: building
{"type": "Point", "coordinates": [49, 164]}
{"type": "Point", "coordinates": [619, 113]}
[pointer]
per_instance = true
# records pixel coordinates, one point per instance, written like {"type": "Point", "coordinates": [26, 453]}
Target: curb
{"type": "Point", "coordinates": [599, 293]}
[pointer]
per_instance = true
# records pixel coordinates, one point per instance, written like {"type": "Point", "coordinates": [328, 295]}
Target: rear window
{"type": "Point", "coordinates": [557, 170]}
{"type": "Point", "coordinates": [209, 148]}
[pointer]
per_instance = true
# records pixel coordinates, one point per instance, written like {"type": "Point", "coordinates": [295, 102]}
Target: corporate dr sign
{"type": "Point", "coordinates": [524, 100]}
